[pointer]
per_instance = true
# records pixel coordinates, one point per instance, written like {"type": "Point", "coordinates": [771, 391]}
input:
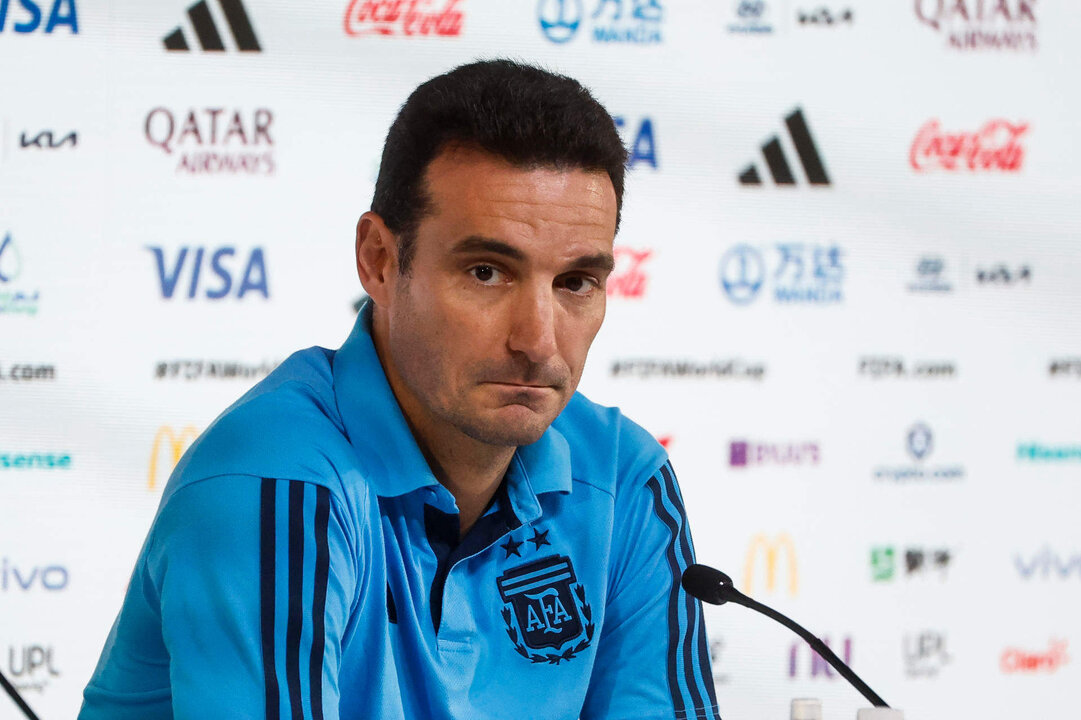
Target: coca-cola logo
{"type": "Point", "coordinates": [995, 146]}
{"type": "Point", "coordinates": [403, 17]}
{"type": "Point", "coordinates": [629, 278]}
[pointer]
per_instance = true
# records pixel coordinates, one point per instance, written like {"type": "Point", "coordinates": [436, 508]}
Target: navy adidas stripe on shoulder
{"type": "Point", "coordinates": [296, 533]}
{"type": "Point", "coordinates": [689, 679]}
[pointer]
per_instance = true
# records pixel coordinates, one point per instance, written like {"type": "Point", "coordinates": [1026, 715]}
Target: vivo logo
{"type": "Point", "coordinates": [51, 577]}
{"type": "Point", "coordinates": [191, 261]}
{"type": "Point", "coordinates": [1048, 564]}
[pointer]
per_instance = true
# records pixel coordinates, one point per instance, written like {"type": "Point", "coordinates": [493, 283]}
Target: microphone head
{"type": "Point", "coordinates": [706, 583]}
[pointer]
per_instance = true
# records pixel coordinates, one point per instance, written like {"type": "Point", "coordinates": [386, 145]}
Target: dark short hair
{"type": "Point", "coordinates": [523, 114]}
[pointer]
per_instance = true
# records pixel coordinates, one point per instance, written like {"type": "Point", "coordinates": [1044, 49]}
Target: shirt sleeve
{"type": "Point", "coordinates": [652, 656]}
{"type": "Point", "coordinates": [255, 580]}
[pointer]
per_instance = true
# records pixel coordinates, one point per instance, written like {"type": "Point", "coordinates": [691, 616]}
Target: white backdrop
{"type": "Point", "coordinates": [869, 387]}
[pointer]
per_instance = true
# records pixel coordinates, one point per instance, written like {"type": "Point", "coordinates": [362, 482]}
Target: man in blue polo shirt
{"type": "Point", "coordinates": [429, 522]}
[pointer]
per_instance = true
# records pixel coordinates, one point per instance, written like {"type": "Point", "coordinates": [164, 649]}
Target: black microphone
{"type": "Point", "coordinates": [713, 586]}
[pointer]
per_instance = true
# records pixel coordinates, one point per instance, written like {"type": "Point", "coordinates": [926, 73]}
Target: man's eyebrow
{"type": "Point", "coordinates": [476, 243]}
{"type": "Point", "coordinates": [600, 261]}
{"type": "Point", "coordinates": [479, 243]}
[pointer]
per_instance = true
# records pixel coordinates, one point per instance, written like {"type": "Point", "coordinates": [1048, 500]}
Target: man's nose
{"type": "Point", "coordinates": [532, 330]}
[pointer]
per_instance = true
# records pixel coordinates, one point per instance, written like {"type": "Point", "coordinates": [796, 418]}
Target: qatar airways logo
{"type": "Point", "coordinates": [995, 147]}
{"type": "Point", "coordinates": [1008, 25]}
{"type": "Point", "coordinates": [404, 17]}
{"type": "Point", "coordinates": [214, 140]}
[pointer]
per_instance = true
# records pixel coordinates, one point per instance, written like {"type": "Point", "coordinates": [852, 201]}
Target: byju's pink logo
{"type": "Point", "coordinates": [742, 453]}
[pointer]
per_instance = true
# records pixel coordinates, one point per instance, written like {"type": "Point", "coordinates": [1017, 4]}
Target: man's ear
{"type": "Point", "coordinates": [377, 257]}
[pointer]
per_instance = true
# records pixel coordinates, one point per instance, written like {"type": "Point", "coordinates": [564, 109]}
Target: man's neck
{"type": "Point", "coordinates": [470, 469]}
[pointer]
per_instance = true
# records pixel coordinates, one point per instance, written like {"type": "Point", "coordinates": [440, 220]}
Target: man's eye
{"type": "Point", "coordinates": [485, 274]}
{"type": "Point", "coordinates": [579, 284]}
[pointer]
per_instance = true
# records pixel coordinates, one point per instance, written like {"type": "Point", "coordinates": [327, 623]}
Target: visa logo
{"type": "Point", "coordinates": [214, 282]}
{"type": "Point", "coordinates": [643, 149]}
{"type": "Point", "coordinates": [62, 13]}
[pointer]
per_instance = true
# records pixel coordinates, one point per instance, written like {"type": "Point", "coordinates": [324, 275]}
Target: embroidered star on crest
{"type": "Point", "coordinates": [539, 538]}
{"type": "Point", "coordinates": [511, 547]}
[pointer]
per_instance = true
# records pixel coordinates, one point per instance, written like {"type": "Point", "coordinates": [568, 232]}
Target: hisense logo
{"type": "Point", "coordinates": [1037, 452]}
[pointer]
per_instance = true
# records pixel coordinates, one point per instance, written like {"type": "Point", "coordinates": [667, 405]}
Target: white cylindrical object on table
{"type": "Point", "coordinates": [880, 713]}
{"type": "Point", "coordinates": [806, 709]}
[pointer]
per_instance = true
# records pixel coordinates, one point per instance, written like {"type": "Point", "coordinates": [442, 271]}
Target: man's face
{"type": "Point", "coordinates": [488, 331]}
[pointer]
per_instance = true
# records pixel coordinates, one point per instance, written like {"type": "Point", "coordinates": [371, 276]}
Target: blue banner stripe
{"type": "Point", "coordinates": [545, 582]}
{"type": "Point", "coordinates": [561, 568]}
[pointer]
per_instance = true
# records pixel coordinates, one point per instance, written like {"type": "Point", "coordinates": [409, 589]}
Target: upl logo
{"type": "Point", "coordinates": [762, 562]}
{"type": "Point", "coordinates": [189, 264]}
{"type": "Point", "coordinates": [31, 17]}
{"type": "Point", "coordinates": [169, 445]}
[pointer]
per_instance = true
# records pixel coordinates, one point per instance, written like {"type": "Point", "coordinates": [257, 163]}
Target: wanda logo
{"type": "Point", "coordinates": [995, 146]}
{"type": "Point", "coordinates": [628, 279]}
{"type": "Point", "coordinates": [403, 17]}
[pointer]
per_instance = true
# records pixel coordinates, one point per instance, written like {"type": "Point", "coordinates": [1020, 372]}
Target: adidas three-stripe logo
{"type": "Point", "coordinates": [294, 568]}
{"type": "Point", "coordinates": [690, 679]}
{"type": "Point", "coordinates": [207, 32]}
{"type": "Point", "coordinates": [778, 165]}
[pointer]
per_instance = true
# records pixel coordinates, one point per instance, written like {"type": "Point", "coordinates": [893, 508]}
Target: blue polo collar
{"type": "Point", "coordinates": [389, 456]}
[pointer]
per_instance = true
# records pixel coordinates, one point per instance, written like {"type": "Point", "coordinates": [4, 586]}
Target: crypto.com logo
{"type": "Point", "coordinates": [769, 550]}
{"type": "Point", "coordinates": [175, 443]}
{"type": "Point", "coordinates": [919, 441]}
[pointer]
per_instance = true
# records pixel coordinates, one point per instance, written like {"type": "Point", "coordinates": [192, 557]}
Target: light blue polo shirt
{"type": "Point", "coordinates": [305, 564]}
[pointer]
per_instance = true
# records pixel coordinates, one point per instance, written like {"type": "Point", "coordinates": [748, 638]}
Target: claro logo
{"type": "Point", "coordinates": [174, 444]}
{"type": "Point", "coordinates": [769, 550]}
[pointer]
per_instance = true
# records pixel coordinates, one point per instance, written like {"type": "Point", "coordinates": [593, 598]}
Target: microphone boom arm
{"type": "Point", "coordinates": [730, 594]}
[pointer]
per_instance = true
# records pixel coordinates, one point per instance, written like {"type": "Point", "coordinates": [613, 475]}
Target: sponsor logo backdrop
{"type": "Point", "coordinates": [845, 298]}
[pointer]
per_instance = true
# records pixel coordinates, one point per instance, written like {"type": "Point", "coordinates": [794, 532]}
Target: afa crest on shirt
{"type": "Point", "coordinates": [545, 610]}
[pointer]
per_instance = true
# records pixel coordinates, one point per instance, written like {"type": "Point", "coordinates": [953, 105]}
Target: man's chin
{"type": "Point", "coordinates": [512, 425]}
